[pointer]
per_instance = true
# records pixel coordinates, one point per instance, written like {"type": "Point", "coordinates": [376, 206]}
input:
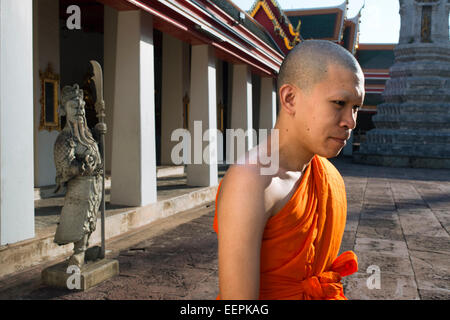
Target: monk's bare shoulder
{"type": "Point", "coordinates": [241, 222]}
{"type": "Point", "coordinates": [243, 189]}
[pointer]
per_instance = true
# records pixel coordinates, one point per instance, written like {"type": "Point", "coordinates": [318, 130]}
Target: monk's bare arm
{"type": "Point", "coordinates": [242, 219]}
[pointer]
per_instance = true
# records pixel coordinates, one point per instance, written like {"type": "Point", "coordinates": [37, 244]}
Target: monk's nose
{"type": "Point", "coordinates": [349, 120]}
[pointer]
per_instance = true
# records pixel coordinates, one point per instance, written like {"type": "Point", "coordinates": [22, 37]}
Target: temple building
{"type": "Point", "coordinates": [166, 65]}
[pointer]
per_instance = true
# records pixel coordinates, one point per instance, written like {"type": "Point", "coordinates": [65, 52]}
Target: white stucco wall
{"type": "Point", "coordinates": [16, 121]}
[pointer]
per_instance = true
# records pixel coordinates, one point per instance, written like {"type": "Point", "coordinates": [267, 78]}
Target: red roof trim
{"type": "Point", "coordinates": [191, 24]}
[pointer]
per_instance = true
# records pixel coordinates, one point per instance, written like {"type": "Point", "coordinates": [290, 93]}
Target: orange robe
{"type": "Point", "coordinates": [301, 242]}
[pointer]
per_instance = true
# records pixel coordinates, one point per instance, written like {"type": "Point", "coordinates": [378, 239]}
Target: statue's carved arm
{"type": "Point", "coordinates": [67, 165]}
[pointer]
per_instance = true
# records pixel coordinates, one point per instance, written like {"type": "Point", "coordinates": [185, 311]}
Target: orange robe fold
{"type": "Point", "coordinates": [301, 242]}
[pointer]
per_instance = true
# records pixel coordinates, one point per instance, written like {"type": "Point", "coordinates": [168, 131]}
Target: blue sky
{"type": "Point", "coordinates": [380, 20]}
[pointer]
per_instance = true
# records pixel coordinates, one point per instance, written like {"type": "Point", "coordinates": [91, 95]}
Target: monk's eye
{"type": "Point", "coordinates": [339, 103]}
{"type": "Point", "coordinates": [356, 108]}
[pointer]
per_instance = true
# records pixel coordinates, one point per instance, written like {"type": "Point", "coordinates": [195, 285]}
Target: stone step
{"type": "Point", "coordinates": [407, 135]}
{"type": "Point", "coordinates": [424, 95]}
{"type": "Point", "coordinates": [414, 109]}
{"type": "Point", "coordinates": [169, 171]}
{"type": "Point", "coordinates": [432, 123]}
{"type": "Point", "coordinates": [394, 160]}
{"type": "Point", "coordinates": [424, 150]}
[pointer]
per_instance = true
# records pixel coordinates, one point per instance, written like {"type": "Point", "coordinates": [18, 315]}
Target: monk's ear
{"type": "Point", "coordinates": [288, 98]}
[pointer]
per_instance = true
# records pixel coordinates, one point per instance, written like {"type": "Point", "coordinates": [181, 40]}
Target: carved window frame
{"type": "Point", "coordinates": [49, 78]}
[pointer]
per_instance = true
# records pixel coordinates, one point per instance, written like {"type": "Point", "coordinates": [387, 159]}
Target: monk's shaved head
{"type": "Point", "coordinates": [307, 63]}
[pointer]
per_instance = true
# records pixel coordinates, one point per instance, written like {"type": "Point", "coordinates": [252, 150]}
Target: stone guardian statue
{"type": "Point", "coordinates": [78, 168]}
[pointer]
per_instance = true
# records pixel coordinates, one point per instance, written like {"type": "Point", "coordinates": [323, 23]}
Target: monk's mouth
{"type": "Point", "coordinates": [343, 142]}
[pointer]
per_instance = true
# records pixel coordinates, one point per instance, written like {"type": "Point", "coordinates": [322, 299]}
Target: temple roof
{"type": "Point", "coordinates": [270, 15]}
{"type": "Point", "coordinates": [350, 36]}
{"type": "Point", "coordinates": [251, 24]}
{"type": "Point", "coordinates": [325, 23]}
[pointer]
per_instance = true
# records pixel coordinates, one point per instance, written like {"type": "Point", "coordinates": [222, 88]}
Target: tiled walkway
{"type": "Point", "coordinates": [398, 224]}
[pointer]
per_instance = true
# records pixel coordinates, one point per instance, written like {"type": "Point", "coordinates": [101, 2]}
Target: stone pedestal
{"type": "Point", "coordinates": [72, 278]}
{"type": "Point", "coordinates": [413, 125]}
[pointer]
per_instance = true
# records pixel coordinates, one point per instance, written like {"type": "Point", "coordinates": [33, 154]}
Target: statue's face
{"type": "Point", "coordinates": [75, 110]}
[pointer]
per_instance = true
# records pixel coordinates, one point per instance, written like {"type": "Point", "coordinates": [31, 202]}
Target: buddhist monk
{"type": "Point", "coordinates": [279, 234]}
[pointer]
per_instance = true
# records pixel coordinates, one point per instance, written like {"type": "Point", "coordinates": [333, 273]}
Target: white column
{"type": "Point", "coordinates": [16, 121]}
{"type": "Point", "coordinates": [46, 50]}
{"type": "Point", "coordinates": [220, 99]}
{"type": "Point", "coordinates": [242, 106]}
{"type": "Point", "coordinates": [203, 108]}
{"type": "Point", "coordinates": [172, 94]}
{"type": "Point", "coordinates": [133, 167]}
{"type": "Point", "coordinates": [268, 104]}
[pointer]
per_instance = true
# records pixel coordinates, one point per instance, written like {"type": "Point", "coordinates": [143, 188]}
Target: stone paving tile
{"type": "Point", "coordinates": [378, 199]}
{"type": "Point", "coordinates": [392, 287]}
{"type": "Point", "coordinates": [387, 247]}
{"type": "Point", "coordinates": [434, 294]}
{"type": "Point", "coordinates": [354, 208]}
{"type": "Point", "coordinates": [421, 222]}
{"type": "Point", "coordinates": [380, 206]}
{"type": "Point", "coordinates": [380, 229]}
{"type": "Point", "coordinates": [388, 264]}
{"type": "Point", "coordinates": [351, 225]}
{"type": "Point", "coordinates": [355, 190]}
{"type": "Point", "coordinates": [410, 205]}
{"type": "Point", "coordinates": [445, 189]}
{"type": "Point", "coordinates": [444, 218]}
{"type": "Point", "coordinates": [420, 242]}
{"type": "Point", "coordinates": [380, 215]}
{"type": "Point", "coordinates": [381, 192]}
{"type": "Point", "coordinates": [348, 241]}
{"type": "Point", "coordinates": [354, 199]}
{"type": "Point", "coordinates": [431, 269]}
{"type": "Point", "coordinates": [436, 195]}
{"type": "Point", "coordinates": [406, 192]}
{"type": "Point", "coordinates": [375, 194]}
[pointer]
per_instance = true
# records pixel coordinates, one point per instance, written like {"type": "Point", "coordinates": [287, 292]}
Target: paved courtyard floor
{"type": "Point", "coordinates": [398, 225]}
